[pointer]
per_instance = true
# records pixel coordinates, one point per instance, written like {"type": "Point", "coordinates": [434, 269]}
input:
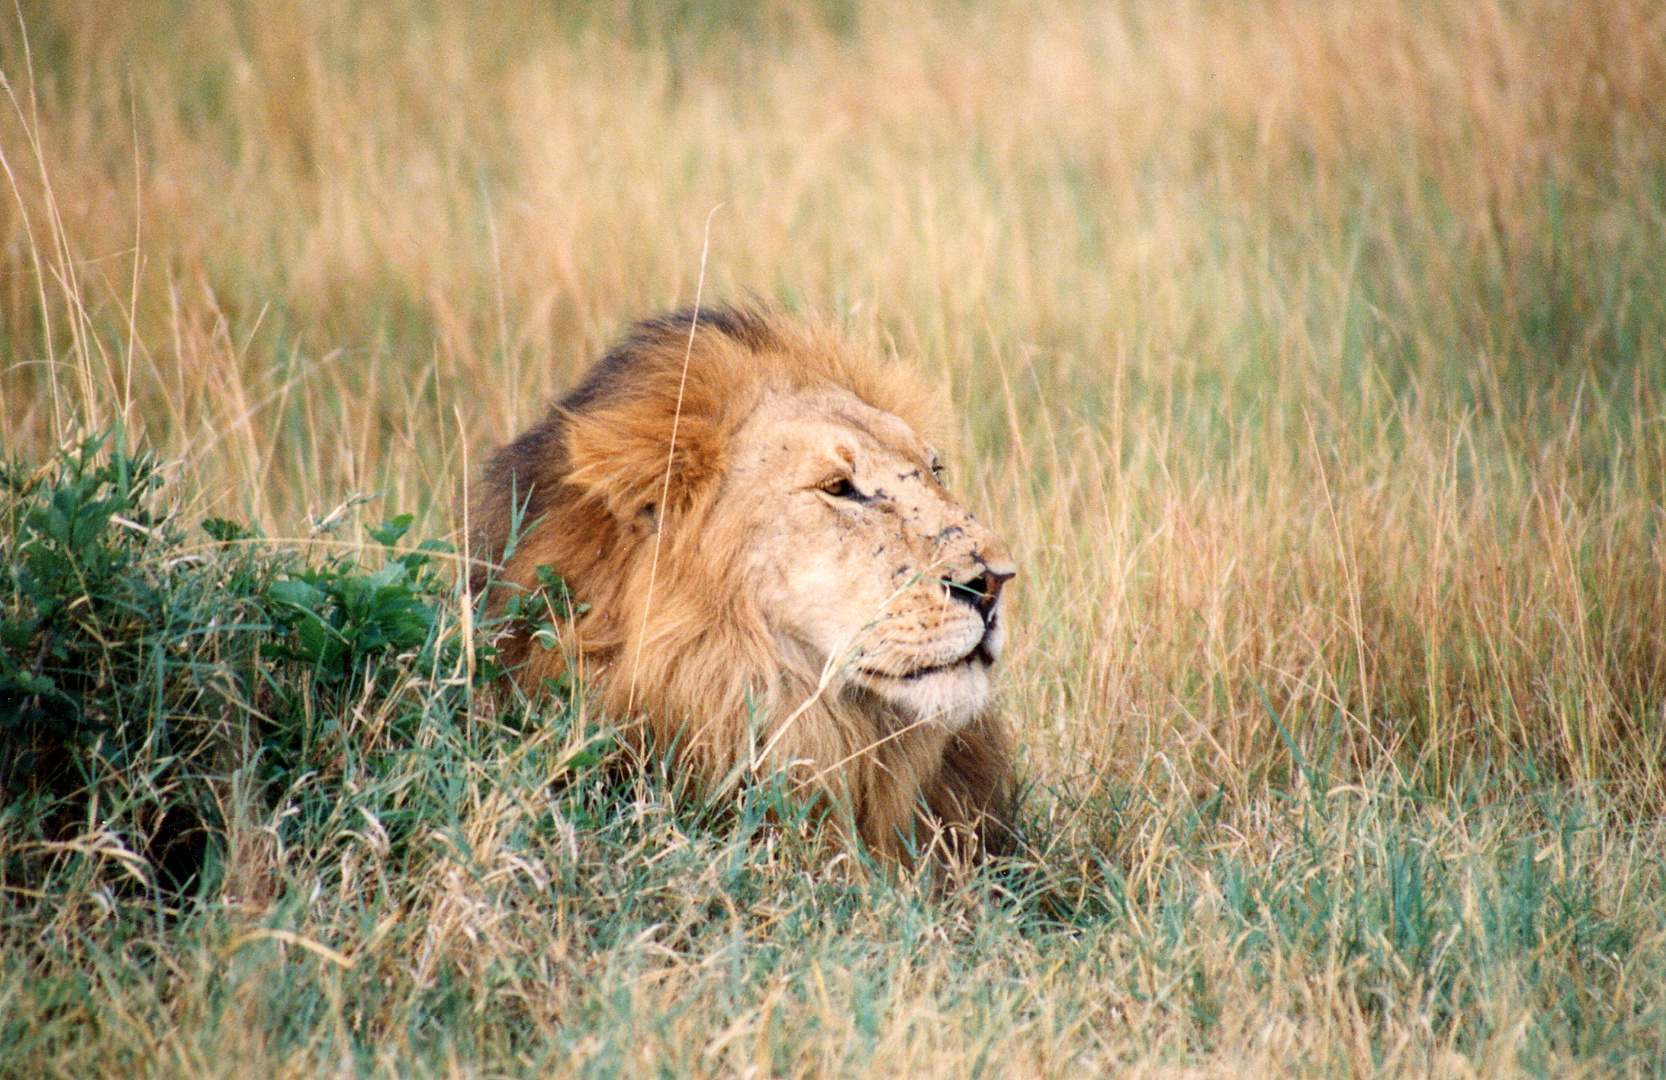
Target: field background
{"type": "Point", "coordinates": [1311, 356]}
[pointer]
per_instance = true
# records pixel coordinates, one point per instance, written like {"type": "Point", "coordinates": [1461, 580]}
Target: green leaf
{"type": "Point", "coordinates": [392, 529]}
{"type": "Point", "coordinates": [320, 644]}
{"type": "Point", "coordinates": [295, 593]}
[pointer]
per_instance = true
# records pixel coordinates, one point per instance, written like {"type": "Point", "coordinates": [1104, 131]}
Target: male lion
{"type": "Point", "coordinates": [767, 574]}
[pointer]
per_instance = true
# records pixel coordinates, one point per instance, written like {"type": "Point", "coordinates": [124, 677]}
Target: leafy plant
{"type": "Point", "coordinates": [77, 607]}
{"type": "Point", "coordinates": [342, 618]}
{"type": "Point", "coordinates": [138, 670]}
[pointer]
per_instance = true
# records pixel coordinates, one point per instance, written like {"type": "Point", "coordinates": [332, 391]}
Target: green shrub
{"type": "Point", "coordinates": [140, 669]}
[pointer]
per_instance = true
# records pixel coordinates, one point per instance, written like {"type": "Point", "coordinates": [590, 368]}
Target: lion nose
{"type": "Point", "coordinates": [981, 591]}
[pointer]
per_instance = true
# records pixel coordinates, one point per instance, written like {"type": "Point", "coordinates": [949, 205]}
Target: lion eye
{"type": "Point", "coordinates": [840, 488]}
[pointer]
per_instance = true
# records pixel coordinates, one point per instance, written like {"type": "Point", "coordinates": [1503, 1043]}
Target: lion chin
{"type": "Point", "coordinates": [769, 573]}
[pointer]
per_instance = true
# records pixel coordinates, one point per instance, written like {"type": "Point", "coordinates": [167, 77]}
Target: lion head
{"type": "Point", "coordinates": [767, 573]}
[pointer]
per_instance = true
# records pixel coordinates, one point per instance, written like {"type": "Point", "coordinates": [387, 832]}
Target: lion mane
{"type": "Point", "coordinates": [766, 575]}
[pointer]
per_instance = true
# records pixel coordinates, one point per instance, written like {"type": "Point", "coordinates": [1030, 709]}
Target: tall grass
{"type": "Point", "coordinates": [1311, 356]}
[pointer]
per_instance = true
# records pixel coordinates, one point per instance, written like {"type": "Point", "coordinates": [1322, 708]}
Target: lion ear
{"type": "Point", "coordinates": [624, 457]}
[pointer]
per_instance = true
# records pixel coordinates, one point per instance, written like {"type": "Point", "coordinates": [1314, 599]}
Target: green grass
{"type": "Point", "coordinates": [1309, 357]}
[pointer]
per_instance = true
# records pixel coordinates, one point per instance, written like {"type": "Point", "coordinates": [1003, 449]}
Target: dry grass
{"type": "Point", "coordinates": [1312, 356]}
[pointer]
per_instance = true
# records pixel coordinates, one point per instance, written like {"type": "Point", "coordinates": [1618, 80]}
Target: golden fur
{"type": "Point", "coordinates": [784, 585]}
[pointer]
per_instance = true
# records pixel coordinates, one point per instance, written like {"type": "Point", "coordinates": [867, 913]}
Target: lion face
{"type": "Point", "coordinates": [861, 561]}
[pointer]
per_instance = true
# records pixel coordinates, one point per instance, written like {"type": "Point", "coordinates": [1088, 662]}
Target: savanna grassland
{"type": "Point", "coordinates": [1311, 357]}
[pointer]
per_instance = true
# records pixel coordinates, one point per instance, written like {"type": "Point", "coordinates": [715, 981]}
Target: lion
{"type": "Point", "coordinates": [766, 575]}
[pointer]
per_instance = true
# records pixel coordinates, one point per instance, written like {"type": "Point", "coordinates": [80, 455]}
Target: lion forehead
{"type": "Point", "coordinates": [826, 426]}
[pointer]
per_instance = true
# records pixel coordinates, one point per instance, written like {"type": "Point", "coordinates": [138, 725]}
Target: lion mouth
{"type": "Point", "coordinates": [980, 656]}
